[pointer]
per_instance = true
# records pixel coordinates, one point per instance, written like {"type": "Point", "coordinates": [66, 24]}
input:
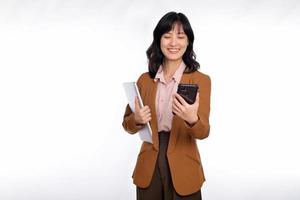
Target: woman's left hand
{"type": "Point", "coordinates": [188, 112]}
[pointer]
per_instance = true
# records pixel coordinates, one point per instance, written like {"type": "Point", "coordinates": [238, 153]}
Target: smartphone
{"type": "Point", "coordinates": [188, 92]}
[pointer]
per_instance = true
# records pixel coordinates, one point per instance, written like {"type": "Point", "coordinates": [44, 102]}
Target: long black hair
{"type": "Point", "coordinates": [154, 53]}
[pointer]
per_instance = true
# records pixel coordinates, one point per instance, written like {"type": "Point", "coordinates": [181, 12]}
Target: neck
{"type": "Point", "coordinates": [170, 66]}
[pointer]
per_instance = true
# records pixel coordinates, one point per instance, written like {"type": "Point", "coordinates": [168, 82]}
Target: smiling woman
{"type": "Point", "coordinates": [170, 168]}
{"type": "Point", "coordinates": [172, 35]}
{"type": "Point", "coordinates": [174, 43]}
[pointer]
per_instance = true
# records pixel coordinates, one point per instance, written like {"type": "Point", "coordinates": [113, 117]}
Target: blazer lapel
{"type": "Point", "coordinates": [173, 135]}
{"type": "Point", "coordinates": [153, 121]}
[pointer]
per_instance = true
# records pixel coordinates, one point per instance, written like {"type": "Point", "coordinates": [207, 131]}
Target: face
{"type": "Point", "coordinates": [174, 43]}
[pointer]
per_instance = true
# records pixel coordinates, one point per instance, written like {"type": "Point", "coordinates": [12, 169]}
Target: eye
{"type": "Point", "coordinates": [181, 36]}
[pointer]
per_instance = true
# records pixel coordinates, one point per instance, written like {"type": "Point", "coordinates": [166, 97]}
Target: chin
{"type": "Point", "coordinates": [173, 58]}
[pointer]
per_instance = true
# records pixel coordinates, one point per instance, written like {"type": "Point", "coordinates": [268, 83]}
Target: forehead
{"type": "Point", "coordinates": [177, 27]}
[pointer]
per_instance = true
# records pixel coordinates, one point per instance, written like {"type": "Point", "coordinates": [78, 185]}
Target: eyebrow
{"type": "Point", "coordinates": [182, 32]}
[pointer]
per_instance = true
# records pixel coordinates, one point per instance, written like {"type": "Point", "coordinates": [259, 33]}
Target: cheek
{"type": "Point", "coordinates": [163, 44]}
{"type": "Point", "coordinates": [184, 44]}
{"type": "Point", "coordinates": [163, 47]}
{"type": "Point", "coordinates": [184, 47]}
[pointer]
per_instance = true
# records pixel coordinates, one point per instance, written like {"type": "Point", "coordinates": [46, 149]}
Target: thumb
{"type": "Point", "coordinates": [136, 103]}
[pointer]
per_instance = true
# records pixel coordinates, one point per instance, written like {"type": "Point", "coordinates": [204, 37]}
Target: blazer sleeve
{"type": "Point", "coordinates": [128, 123]}
{"type": "Point", "coordinates": [201, 128]}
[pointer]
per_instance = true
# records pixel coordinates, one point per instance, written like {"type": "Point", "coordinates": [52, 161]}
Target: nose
{"type": "Point", "coordinates": [173, 41]}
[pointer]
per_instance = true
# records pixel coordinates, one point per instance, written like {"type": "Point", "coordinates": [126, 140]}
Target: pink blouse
{"type": "Point", "coordinates": [163, 102]}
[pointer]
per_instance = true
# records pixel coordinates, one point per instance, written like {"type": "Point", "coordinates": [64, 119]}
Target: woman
{"type": "Point", "coordinates": [170, 168]}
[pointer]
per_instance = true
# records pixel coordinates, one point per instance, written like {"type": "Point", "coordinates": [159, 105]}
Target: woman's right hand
{"type": "Point", "coordinates": [141, 115]}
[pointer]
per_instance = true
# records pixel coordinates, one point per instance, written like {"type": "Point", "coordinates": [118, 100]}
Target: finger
{"type": "Point", "coordinates": [180, 99]}
{"type": "Point", "coordinates": [175, 111]}
{"type": "Point", "coordinates": [148, 119]}
{"type": "Point", "coordinates": [145, 108]}
{"type": "Point", "coordinates": [176, 108]}
{"type": "Point", "coordinates": [136, 104]}
{"type": "Point", "coordinates": [177, 102]}
{"type": "Point", "coordinates": [145, 111]}
{"type": "Point", "coordinates": [146, 116]}
{"type": "Point", "coordinates": [176, 105]}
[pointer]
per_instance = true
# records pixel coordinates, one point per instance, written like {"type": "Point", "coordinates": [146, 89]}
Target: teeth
{"type": "Point", "coordinates": [174, 50]}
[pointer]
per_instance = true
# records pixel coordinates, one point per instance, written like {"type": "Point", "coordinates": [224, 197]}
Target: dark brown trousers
{"type": "Point", "coordinates": [161, 186]}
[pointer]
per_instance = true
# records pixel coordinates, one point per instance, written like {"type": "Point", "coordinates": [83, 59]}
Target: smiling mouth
{"type": "Point", "coordinates": [173, 50]}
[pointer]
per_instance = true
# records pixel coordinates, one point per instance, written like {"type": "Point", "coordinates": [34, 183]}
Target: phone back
{"type": "Point", "coordinates": [188, 92]}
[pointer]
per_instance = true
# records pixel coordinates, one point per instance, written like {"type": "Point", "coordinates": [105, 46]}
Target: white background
{"type": "Point", "coordinates": [61, 99]}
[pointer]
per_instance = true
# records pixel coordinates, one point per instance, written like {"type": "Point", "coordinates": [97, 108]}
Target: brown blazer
{"type": "Point", "coordinates": [183, 155]}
